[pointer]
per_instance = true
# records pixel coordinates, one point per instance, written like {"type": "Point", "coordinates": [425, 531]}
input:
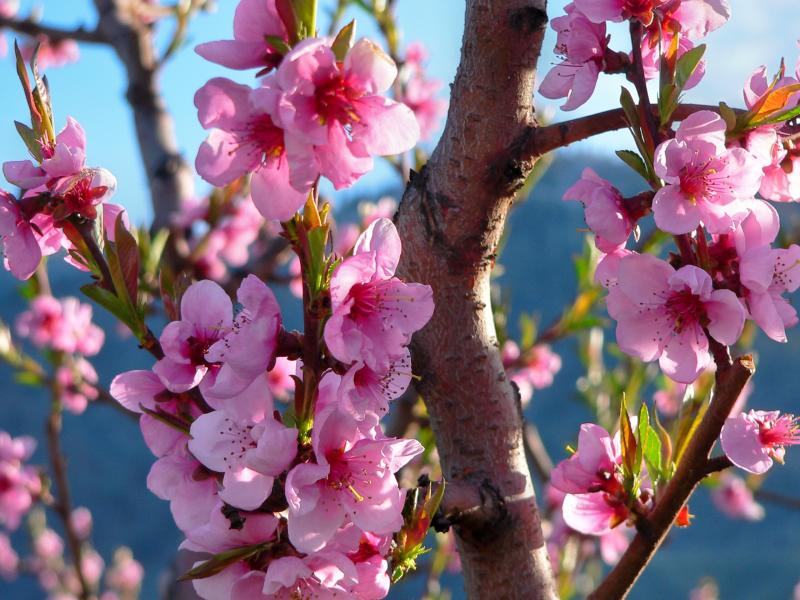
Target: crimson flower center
{"type": "Point", "coordinates": [266, 136]}
{"type": "Point", "coordinates": [685, 309]}
{"type": "Point", "coordinates": [334, 101]}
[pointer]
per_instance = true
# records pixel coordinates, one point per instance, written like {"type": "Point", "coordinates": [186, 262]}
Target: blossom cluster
{"type": "Point", "coordinates": [239, 475]}
{"type": "Point", "coordinates": [711, 183]}
{"type": "Point", "coordinates": [583, 42]}
{"type": "Point", "coordinates": [315, 114]}
{"type": "Point", "coordinates": [59, 191]}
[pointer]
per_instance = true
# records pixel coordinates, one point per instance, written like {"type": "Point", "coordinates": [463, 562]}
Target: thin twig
{"type": "Point", "coordinates": [536, 452]}
{"type": "Point", "coordinates": [779, 499]}
{"type": "Point", "coordinates": [694, 466]}
{"type": "Point", "coordinates": [63, 504]}
{"type": "Point", "coordinates": [32, 28]}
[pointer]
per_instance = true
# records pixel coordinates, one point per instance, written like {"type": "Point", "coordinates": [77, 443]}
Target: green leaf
{"type": "Point", "coordinates": [629, 108]}
{"type": "Point", "coordinates": [779, 118]}
{"type": "Point", "coordinates": [306, 11]}
{"type": "Point", "coordinates": [278, 44]}
{"type": "Point", "coordinates": [727, 113]}
{"type": "Point", "coordinates": [635, 162]}
{"type": "Point", "coordinates": [628, 444]}
{"type": "Point", "coordinates": [28, 378]}
{"type": "Point", "coordinates": [317, 241]}
{"type": "Point", "coordinates": [128, 253]}
{"type": "Point", "coordinates": [30, 139]}
{"type": "Point", "coordinates": [687, 65]}
{"type": "Point", "coordinates": [109, 301]}
{"type": "Point", "coordinates": [692, 412]}
{"type": "Point", "coordinates": [219, 562]}
{"type": "Point", "coordinates": [344, 40]}
{"type": "Point", "coordinates": [649, 445]}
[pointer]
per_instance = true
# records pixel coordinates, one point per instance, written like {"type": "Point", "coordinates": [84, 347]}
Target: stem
{"type": "Point", "coordinates": [85, 230]}
{"type": "Point", "coordinates": [62, 504]}
{"type": "Point", "coordinates": [694, 466]}
{"type": "Point", "coordinates": [639, 81]}
{"type": "Point", "coordinates": [32, 28]}
{"type": "Point", "coordinates": [684, 244]}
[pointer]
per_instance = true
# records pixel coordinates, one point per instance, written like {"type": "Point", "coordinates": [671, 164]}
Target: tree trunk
{"type": "Point", "coordinates": [451, 219]}
{"type": "Point", "coordinates": [169, 176]}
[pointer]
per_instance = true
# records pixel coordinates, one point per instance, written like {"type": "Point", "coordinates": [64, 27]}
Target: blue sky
{"type": "Point", "coordinates": [92, 90]}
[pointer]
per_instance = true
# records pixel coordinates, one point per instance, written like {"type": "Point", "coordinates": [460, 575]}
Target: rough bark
{"type": "Point", "coordinates": [451, 219]}
{"type": "Point", "coordinates": [168, 174]}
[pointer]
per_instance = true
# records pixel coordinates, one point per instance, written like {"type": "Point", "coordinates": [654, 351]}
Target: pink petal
{"type": "Point", "coordinates": [741, 443]}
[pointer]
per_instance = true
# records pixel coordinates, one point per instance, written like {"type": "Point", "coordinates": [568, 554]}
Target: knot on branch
{"type": "Point", "coordinates": [167, 168]}
{"type": "Point", "coordinates": [479, 512]}
{"type": "Point", "coordinates": [528, 19]}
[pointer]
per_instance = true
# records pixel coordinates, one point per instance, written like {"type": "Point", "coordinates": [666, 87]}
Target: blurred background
{"type": "Point", "coordinates": [108, 461]}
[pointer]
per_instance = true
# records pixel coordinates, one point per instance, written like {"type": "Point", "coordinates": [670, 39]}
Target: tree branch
{"type": "Point", "coordinates": [63, 504]}
{"type": "Point", "coordinates": [537, 141]}
{"type": "Point", "coordinates": [450, 220]}
{"type": "Point", "coordinates": [694, 466]}
{"type": "Point", "coordinates": [169, 176]}
{"type": "Point", "coordinates": [34, 29]}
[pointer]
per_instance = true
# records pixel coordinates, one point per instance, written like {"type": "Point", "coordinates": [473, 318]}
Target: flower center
{"type": "Point", "coordinates": [784, 431]}
{"type": "Point", "coordinates": [266, 136]}
{"type": "Point", "coordinates": [333, 101]}
{"type": "Point", "coordinates": [239, 442]}
{"type": "Point", "coordinates": [685, 309]}
{"type": "Point", "coordinates": [198, 347]}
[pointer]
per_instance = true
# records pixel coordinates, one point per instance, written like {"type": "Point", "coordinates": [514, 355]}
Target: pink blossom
{"type": "Point", "coordinates": [338, 108]}
{"type": "Point", "coordinates": [654, 46]}
{"type": "Point", "coordinates": [279, 378]}
{"type": "Point", "coordinates": [63, 325]}
{"type": "Point", "coordinates": [253, 22]}
{"type": "Point", "coordinates": [138, 390]}
{"type": "Point", "coordinates": [613, 545]}
{"type": "Point", "coordinates": [206, 317]}
{"type": "Point", "coordinates": [78, 385]}
{"type": "Point", "coordinates": [365, 394]}
{"type": "Point", "coordinates": [324, 575]}
{"type": "Point", "coordinates": [593, 467]}
{"type": "Point", "coordinates": [8, 8]}
{"type": "Point", "coordinates": [663, 313]}
{"type": "Point", "coordinates": [419, 92]}
{"type": "Point", "coordinates": [125, 574]}
{"type": "Point", "coordinates": [64, 158]}
{"type": "Point", "coordinates": [705, 182]}
{"type": "Point", "coordinates": [754, 439]}
{"type": "Point", "coordinates": [694, 18]}
{"type": "Point", "coordinates": [48, 545]}
{"type": "Point", "coordinates": [593, 514]}
{"type": "Point", "coordinates": [352, 480]}
{"type": "Point", "coordinates": [582, 44]}
{"type": "Point", "coordinates": [52, 53]}
{"type": "Point", "coordinates": [670, 398]}
{"type": "Point", "coordinates": [247, 351]}
{"type": "Point", "coordinates": [250, 452]}
{"type": "Point", "coordinates": [172, 477]}
{"type": "Point", "coordinates": [374, 314]}
{"type": "Point", "coordinates": [246, 137]}
{"type": "Point", "coordinates": [735, 499]}
{"type": "Point", "coordinates": [370, 212]}
{"type": "Point", "coordinates": [605, 211]}
{"type": "Point", "coordinates": [81, 521]}
{"type": "Point", "coordinates": [9, 561]}
{"type": "Point", "coordinates": [540, 366]}
{"type": "Point", "coordinates": [219, 536]}
{"type": "Point", "coordinates": [21, 252]}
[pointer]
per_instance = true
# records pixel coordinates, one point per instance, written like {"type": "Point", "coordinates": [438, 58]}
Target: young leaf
{"type": "Point", "coordinates": [687, 65]}
{"type": "Point", "coordinates": [344, 40]}
{"type": "Point", "coordinates": [219, 562]}
{"type": "Point", "coordinates": [128, 257]}
{"type": "Point", "coordinates": [628, 444]}
{"type": "Point", "coordinates": [28, 136]}
{"type": "Point", "coordinates": [635, 162]}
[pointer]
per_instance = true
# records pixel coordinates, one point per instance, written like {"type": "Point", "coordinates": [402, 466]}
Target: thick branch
{"type": "Point", "coordinates": [169, 175]}
{"type": "Point", "coordinates": [537, 141]}
{"type": "Point", "coordinates": [451, 219]}
{"type": "Point", "coordinates": [695, 464]}
{"type": "Point", "coordinates": [56, 34]}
